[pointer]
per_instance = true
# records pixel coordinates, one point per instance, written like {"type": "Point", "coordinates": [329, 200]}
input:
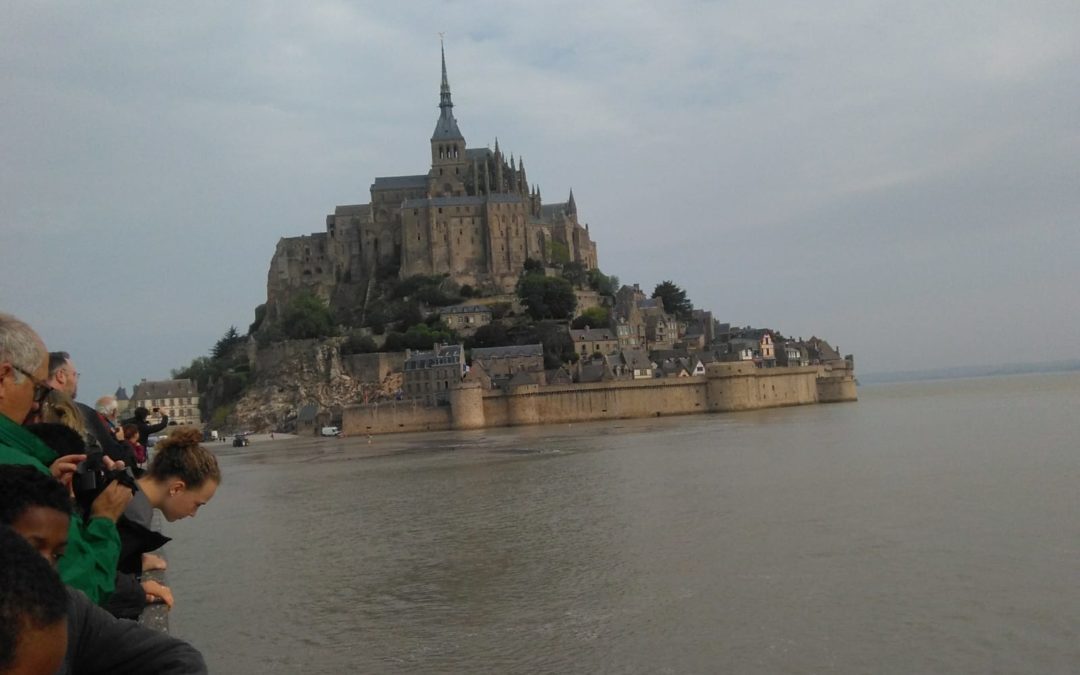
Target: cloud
{"type": "Point", "coordinates": [830, 168]}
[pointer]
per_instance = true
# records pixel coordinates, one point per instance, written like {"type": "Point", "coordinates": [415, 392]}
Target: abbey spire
{"type": "Point", "coordinates": [446, 128]}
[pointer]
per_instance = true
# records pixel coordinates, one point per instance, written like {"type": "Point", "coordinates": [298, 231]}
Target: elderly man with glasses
{"type": "Point", "coordinates": [93, 549]}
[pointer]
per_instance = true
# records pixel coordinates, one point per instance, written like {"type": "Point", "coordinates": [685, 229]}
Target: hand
{"type": "Point", "coordinates": [156, 592]}
{"type": "Point", "coordinates": [163, 412]}
{"type": "Point", "coordinates": [152, 562]}
{"type": "Point", "coordinates": [112, 464]}
{"type": "Point", "coordinates": [111, 502]}
{"type": "Point", "coordinates": [119, 431]}
{"type": "Point", "coordinates": [64, 468]}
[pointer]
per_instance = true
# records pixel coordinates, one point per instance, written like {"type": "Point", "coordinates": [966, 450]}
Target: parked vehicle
{"type": "Point", "coordinates": [330, 431]}
{"type": "Point", "coordinates": [240, 441]}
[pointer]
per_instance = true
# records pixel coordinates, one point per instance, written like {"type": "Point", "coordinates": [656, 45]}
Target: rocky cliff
{"type": "Point", "coordinates": [290, 375]}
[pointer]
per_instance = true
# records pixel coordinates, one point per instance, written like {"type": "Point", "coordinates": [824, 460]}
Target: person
{"type": "Point", "coordinates": [182, 477]}
{"type": "Point", "coordinates": [139, 419]}
{"type": "Point", "coordinates": [131, 437]}
{"type": "Point", "coordinates": [93, 547]}
{"type": "Point", "coordinates": [64, 377]}
{"type": "Point", "coordinates": [106, 408]}
{"type": "Point", "coordinates": [37, 510]}
{"type": "Point", "coordinates": [33, 610]}
{"type": "Point", "coordinates": [59, 408]}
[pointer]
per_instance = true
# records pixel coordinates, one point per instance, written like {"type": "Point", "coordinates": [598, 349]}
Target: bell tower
{"type": "Point", "coordinates": [448, 165]}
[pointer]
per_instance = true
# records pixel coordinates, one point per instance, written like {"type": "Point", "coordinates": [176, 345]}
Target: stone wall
{"type": "Point", "coordinates": [373, 367]}
{"type": "Point", "coordinates": [395, 417]}
{"type": "Point", "coordinates": [725, 387]}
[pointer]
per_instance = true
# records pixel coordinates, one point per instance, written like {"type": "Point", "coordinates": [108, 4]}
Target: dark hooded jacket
{"type": "Point", "coordinates": [100, 643]}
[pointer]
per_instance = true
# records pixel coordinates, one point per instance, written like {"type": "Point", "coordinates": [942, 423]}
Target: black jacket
{"type": "Point", "coordinates": [100, 431]}
{"type": "Point", "coordinates": [101, 643]}
{"type": "Point", "coordinates": [145, 428]}
{"type": "Point", "coordinates": [136, 537]}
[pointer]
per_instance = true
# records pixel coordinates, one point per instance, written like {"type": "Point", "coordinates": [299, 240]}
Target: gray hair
{"type": "Point", "coordinates": [19, 345]}
{"type": "Point", "coordinates": [106, 405]}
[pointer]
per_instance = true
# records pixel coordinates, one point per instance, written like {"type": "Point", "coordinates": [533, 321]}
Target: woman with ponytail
{"type": "Point", "coordinates": [182, 477]}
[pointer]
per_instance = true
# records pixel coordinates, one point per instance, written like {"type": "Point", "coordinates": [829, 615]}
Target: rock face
{"type": "Point", "coordinates": [290, 375]}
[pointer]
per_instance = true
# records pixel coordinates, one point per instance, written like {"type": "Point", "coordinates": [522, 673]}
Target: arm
{"type": "Point", "coordinates": [101, 643]}
{"type": "Point", "coordinates": [153, 429]}
{"type": "Point", "coordinates": [129, 598]}
{"type": "Point", "coordinates": [93, 551]}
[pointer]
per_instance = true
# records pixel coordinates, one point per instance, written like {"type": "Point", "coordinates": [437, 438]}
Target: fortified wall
{"type": "Point", "coordinates": [725, 387]}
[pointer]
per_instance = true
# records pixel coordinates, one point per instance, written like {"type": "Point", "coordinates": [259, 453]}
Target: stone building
{"type": "Point", "coordinates": [429, 375]}
{"type": "Point", "coordinates": [472, 216]}
{"type": "Point", "coordinates": [466, 319]}
{"type": "Point", "coordinates": [594, 340]}
{"type": "Point", "coordinates": [180, 398]}
{"type": "Point", "coordinates": [503, 363]}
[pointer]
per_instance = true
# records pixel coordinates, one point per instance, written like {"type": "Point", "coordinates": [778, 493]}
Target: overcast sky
{"type": "Point", "coordinates": [900, 178]}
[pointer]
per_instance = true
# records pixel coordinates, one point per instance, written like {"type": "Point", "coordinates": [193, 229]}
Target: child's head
{"type": "Point", "coordinates": [36, 506]}
{"type": "Point", "coordinates": [33, 609]}
{"type": "Point", "coordinates": [131, 432]}
{"type": "Point", "coordinates": [187, 472]}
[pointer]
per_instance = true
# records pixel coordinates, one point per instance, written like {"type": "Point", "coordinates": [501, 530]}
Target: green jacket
{"type": "Point", "coordinates": [93, 548]}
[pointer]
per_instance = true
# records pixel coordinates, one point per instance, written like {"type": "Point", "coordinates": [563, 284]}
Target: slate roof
{"type": "Point", "coordinates": [636, 359]}
{"type": "Point", "coordinates": [399, 182]}
{"type": "Point", "coordinates": [352, 210]}
{"type": "Point", "coordinates": [465, 309]}
{"type": "Point", "coordinates": [592, 335]}
{"type": "Point", "coordinates": [164, 389]}
{"type": "Point", "coordinates": [447, 355]}
{"type": "Point", "coordinates": [508, 352]}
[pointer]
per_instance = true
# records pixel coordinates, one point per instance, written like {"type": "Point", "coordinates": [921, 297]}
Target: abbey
{"type": "Point", "coordinates": [473, 216]}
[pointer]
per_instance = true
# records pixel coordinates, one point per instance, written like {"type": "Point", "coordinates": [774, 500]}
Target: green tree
{"type": "Point", "coordinates": [358, 344]}
{"type": "Point", "coordinates": [307, 317]}
{"type": "Point", "coordinates": [491, 335]}
{"type": "Point", "coordinates": [675, 300]}
{"type": "Point", "coordinates": [225, 345]}
{"type": "Point", "coordinates": [533, 265]}
{"type": "Point", "coordinates": [602, 283]}
{"type": "Point", "coordinates": [575, 273]}
{"type": "Point", "coordinates": [547, 297]}
{"type": "Point", "coordinates": [593, 317]}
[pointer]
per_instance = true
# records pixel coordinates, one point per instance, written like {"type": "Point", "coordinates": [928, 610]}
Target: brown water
{"type": "Point", "coordinates": [928, 528]}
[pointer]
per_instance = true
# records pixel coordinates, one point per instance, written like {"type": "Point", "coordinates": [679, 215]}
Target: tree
{"type": "Point", "coordinates": [602, 283]}
{"type": "Point", "coordinates": [358, 344]}
{"type": "Point", "coordinates": [675, 300]}
{"type": "Point", "coordinates": [593, 317]}
{"type": "Point", "coordinates": [547, 297]}
{"type": "Point", "coordinates": [491, 335]}
{"type": "Point", "coordinates": [532, 265]}
{"type": "Point", "coordinates": [575, 273]}
{"type": "Point", "coordinates": [225, 345]}
{"type": "Point", "coordinates": [307, 317]}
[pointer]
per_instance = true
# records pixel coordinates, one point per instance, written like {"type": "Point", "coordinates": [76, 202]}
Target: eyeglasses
{"type": "Point", "coordinates": [41, 390]}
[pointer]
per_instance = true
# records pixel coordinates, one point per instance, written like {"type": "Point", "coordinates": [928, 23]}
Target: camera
{"type": "Point", "coordinates": [92, 477]}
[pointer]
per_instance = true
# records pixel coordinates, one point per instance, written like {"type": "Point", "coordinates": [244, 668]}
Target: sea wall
{"type": "Point", "coordinates": [725, 387]}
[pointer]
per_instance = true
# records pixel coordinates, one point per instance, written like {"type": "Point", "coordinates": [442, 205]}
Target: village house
{"type": "Point", "coordinates": [502, 363]}
{"type": "Point", "coordinates": [429, 375]}
{"type": "Point", "coordinates": [594, 341]}
{"type": "Point", "coordinates": [633, 364]}
{"type": "Point", "coordinates": [179, 398]}
{"type": "Point", "coordinates": [465, 319]}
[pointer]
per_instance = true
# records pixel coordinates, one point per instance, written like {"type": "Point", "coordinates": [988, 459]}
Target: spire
{"type": "Point", "coordinates": [571, 207]}
{"type": "Point", "coordinates": [446, 127]}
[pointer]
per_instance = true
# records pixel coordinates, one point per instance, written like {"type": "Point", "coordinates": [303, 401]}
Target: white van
{"type": "Point", "coordinates": [331, 431]}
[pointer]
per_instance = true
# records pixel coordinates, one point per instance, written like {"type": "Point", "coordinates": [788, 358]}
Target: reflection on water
{"type": "Point", "coordinates": [927, 528]}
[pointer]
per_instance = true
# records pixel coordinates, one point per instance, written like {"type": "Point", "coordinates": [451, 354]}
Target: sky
{"type": "Point", "coordinates": [899, 178]}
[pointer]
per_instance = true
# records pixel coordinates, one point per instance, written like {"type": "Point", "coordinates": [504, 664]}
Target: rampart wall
{"type": "Point", "coordinates": [725, 387]}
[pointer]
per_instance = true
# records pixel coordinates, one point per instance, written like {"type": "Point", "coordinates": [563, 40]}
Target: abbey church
{"type": "Point", "coordinates": [473, 216]}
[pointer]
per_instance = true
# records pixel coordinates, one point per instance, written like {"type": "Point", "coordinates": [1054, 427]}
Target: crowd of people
{"type": "Point", "coordinates": [77, 497]}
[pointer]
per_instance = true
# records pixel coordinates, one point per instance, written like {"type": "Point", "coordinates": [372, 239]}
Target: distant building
{"type": "Point", "coordinates": [465, 319]}
{"type": "Point", "coordinates": [502, 363]}
{"type": "Point", "coordinates": [594, 341]}
{"type": "Point", "coordinates": [179, 398]}
{"type": "Point", "coordinates": [429, 375]}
